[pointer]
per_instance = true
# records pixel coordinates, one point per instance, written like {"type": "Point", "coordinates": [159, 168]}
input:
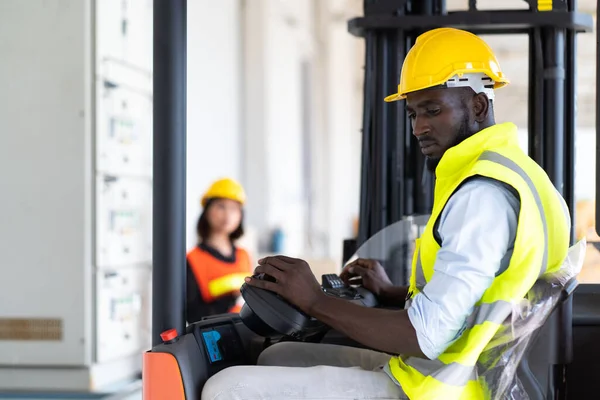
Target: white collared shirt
{"type": "Point", "coordinates": [477, 229]}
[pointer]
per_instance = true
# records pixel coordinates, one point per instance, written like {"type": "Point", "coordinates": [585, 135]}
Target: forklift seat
{"type": "Point", "coordinates": [551, 347]}
{"type": "Point", "coordinates": [524, 357]}
{"type": "Point", "coordinates": [519, 363]}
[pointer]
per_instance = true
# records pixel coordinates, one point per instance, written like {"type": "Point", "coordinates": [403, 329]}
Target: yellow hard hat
{"type": "Point", "coordinates": [442, 53]}
{"type": "Point", "coordinates": [225, 188]}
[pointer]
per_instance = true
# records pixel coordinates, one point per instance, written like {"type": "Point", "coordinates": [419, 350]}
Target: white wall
{"type": "Point", "coordinates": [214, 99]}
{"type": "Point", "coordinates": [254, 115]}
{"type": "Point", "coordinates": [344, 98]}
{"type": "Point", "coordinates": [284, 54]}
{"type": "Point", "coordinates": [277, 40]}
{"type": "Point", "coordinates": [279, 37]}
{"type": "Point", "coordinates": [585, 164]}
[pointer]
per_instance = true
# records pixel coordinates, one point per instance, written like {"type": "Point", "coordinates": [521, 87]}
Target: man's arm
{"type": "Point", "coordinates": [386, 330]}
{"type": "Point", "coordinates": [394, 296]}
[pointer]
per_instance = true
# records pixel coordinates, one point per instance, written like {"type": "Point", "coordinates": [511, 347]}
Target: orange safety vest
{"type": "Point", "coordinates": [215, 277]}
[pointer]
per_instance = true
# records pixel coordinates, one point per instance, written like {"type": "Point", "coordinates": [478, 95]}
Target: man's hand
{"type": "Point", "coordinates": [374, 279]}
{"type": "Point", "coordinates": [371, 273]}
{"type": "Point", "coordinates": [295, 281]}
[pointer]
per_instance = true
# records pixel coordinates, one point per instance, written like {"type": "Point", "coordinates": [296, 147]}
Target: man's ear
{"type": "Point", "coordinates": [481, 107]}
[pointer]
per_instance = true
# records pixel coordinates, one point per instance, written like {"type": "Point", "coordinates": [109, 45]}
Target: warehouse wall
{"type": "Point", "coordinates": [214, 104]}
{"type": "Point", "coordinates": [302, 119]}
{"type": "Point", "coordinates": [343, 83]}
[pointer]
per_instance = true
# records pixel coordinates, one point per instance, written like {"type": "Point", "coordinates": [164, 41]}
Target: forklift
{"type": "Point", "coordinates": [563, 361]}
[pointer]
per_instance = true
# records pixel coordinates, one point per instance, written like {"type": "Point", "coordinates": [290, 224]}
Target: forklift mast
{"type": "Point", "coordinates": [394, 182]}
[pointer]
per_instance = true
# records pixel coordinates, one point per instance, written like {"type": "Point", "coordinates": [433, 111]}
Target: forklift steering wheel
{"type": "Point", "coordinates": [270, 315]}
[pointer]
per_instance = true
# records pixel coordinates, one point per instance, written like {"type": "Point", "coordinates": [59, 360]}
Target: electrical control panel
{"type": "Point", "coordinates": [123, 178]}
{"type": "Point", "coordinates": [123, 134]}
{"type": "Point", "coordinates": [124, 124]}
{"type": "Point", "coordinates": [124, 31]}
{"type": "Point", "coordinates": [123, 312]}
{"type": "Point", "coordinates": [123, 221]}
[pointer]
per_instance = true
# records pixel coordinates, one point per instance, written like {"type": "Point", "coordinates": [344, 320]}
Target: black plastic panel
{"type": "Point", "coordinates": [583, 373]}
{"type": "Point", "coordinates": [586, 306]}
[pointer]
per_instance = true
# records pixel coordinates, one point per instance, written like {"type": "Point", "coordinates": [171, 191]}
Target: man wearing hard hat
{"type": "Point", "coordinates": [497, 224]}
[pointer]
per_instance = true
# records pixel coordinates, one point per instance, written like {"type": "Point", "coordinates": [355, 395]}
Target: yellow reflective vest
{"type": "Point", "coordinates": [541, 245]}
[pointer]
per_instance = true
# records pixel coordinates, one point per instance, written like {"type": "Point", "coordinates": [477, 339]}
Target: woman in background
{"type": "Point", "coordinates": [216, 268]}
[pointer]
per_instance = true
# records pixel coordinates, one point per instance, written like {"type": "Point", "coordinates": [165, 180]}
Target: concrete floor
{"type": "Point", "coordinates": [132, 391]}
{"type": "Point", "coordinates": [131, 396]}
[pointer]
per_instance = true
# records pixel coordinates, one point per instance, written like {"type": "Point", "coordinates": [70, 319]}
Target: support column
{"type": "Point", "coordinates": [169, 252]}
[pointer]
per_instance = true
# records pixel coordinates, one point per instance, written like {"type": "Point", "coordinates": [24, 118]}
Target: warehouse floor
{"type": "Point", "coordinates": [132, 391]}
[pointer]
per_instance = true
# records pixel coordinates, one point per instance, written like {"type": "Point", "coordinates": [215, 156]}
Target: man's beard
{"type": "Point", "coordinates": [463, 132]}
{"type": "Point", "coordinates": [432, 163]}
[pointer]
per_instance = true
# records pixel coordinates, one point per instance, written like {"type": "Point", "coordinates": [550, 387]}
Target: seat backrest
{"type": "Point", "coordinates": [519, 362]}
{"type": "Point", "coordinates": [584, 370]}
{"type": "Point", "coordinates": [505, 363]}
{"type": "Point", "coordinates": [551, 347]}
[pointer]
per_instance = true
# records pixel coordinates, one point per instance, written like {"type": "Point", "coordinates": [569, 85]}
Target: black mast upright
{"type": "Point", "coordinates": [392, 180]}
{"type": "Point", "coordinates": [168, 274]}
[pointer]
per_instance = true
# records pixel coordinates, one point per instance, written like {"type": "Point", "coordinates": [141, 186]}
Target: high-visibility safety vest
{"type": "Point", "coordinates": [541, 245]}
{"type": "Point", "coordinates": [216, 277]}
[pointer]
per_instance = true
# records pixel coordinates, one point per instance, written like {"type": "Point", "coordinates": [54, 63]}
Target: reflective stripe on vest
{"type": "Point", "coordinates": [453, 374]}
{"type": "Point", "coordinates": [226, 284]}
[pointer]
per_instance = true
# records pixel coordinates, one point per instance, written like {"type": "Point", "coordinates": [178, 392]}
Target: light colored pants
{"type": "Point", "coordinates": [307, 371]}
